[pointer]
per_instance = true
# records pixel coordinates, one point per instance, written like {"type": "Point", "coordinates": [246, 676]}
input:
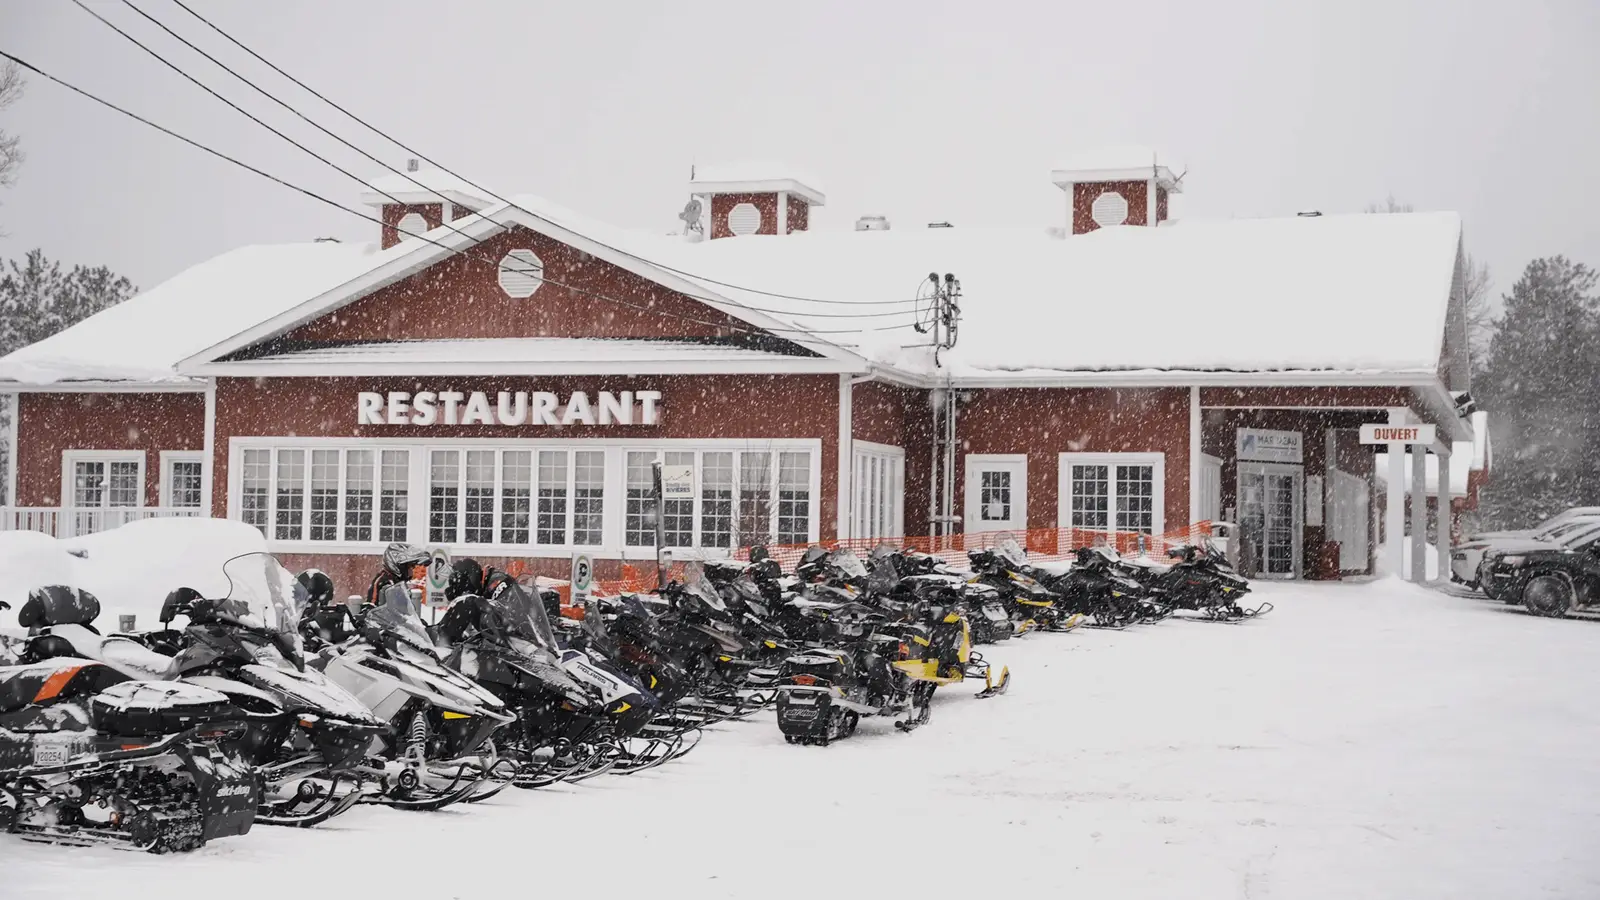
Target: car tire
{"type": "Point", "coordinates": [1489, 590]}
{"type": "Point", "coordinates": [1548, 594]}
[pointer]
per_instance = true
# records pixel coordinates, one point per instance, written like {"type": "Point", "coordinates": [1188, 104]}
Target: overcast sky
{"type": "Point", "coordinates": [921, 110]}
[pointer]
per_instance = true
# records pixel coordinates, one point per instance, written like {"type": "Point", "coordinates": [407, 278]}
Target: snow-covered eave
{"type": "Point", "coordinates": [330, 368]}
{"type": "Point", "coordinates": [764, 186]}
{"type": "Point", "coordinates": [975, 377]}
{"type": "Point", "coordinates": [420, 197]}
{"type": "Point", "coordinates": [455, 236]}
{"type": "Point", "coordinates": [174, 385]}
{"type": "Point", "coordinates": [1161, 174]}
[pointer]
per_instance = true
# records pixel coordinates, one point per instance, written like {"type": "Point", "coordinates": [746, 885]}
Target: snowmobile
{"type": "Point", "coordinates": [824, 691]}
{"type": "Point", "coordinates": [1028, 603]}
{"type": "Point", "coordinates": [307, 736]}
{"type": "Point", "coordinates": [938, 651]}
{"type": "Point", "coordinates": [698, 629]}
{"type": "Point", "coordinates": [505, 643]}
{"type": "Point", "coordinates": [1203, 581]}
{"type": "Point", "coordinates": [443, 722]}
{"type": "Point", "coordinates": [89, 757]}
{"type": "Point", "coordinates": [1095, 589]}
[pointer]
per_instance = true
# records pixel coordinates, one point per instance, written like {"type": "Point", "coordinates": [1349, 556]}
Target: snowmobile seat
{"type": "Point", "coordinates": [52, 680]}
{"type": "Point", "coordinates": [123, 653]}
{"type": "Point", "coordinates": [58, 604]}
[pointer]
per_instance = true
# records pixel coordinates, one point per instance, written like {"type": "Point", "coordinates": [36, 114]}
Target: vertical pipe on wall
{"type": "Point", "coordinates": [842, 518]}
{"type": "Point", "coordinates": [1419, 514]}
{"type": "Point", "coordinates": [1394, 524]}
{"type": "Point", "coordinates": [935, 403]}
{"type": "Point", "coordinates": [950, 460]}
{"type": "Point", "coordinates": [1194, 457]}
{"type": "Point", "coordinates": [208, 471]}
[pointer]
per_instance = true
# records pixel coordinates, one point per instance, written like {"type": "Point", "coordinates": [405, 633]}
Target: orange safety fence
{"type": "Point", "coordinates": [1042, 544]}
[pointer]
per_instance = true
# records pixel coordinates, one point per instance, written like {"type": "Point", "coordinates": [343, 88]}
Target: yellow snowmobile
{"type": "Point", "coordinates": [942, 654]}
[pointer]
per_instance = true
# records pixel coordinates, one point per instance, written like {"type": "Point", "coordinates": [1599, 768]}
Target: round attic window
{"type": "Point", "coordinates": [1110, 208]}
{"type": "Point", "coordinates": [411, 225]}
{"type": "Point", "coordinates": [744, 219]}
{"type": "Point", "coordinates": [521, 273]}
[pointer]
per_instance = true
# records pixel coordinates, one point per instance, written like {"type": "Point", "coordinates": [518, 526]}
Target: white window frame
{"type": "Point", "coordinates": [1158, 504]}
{"type": "Point", "coordinates": [418, 494]}
{"type": "Point", "coordinates": [976, 462]}
{"type": "Point", "coordinates": [168, 457]}
{"type": "Point", "coordinates": [877, 500]}
{"type": "Point", "coordinates": [69, 465]}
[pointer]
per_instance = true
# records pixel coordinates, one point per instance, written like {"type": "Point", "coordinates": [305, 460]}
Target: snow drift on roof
{"type": "Point", "coordinates": [753, 170]}
{"type": "Point", "coordinates": [1123, 157]}
{"type": "Point", "coordinates": [430, 179]}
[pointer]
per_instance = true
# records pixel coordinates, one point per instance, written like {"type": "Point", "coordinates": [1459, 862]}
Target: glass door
{"type": "Point", "coordinates": [1271, 517]}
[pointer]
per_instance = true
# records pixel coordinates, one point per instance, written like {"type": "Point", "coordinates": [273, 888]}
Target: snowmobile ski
{"type": "Point", "coordinates": [992, 688]}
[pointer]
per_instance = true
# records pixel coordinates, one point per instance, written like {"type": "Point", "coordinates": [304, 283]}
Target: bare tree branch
{"type": "Point", "coordinates": [1475, 290]}
{"type": "Point", "coordinates": [11, 85]}
{"type": "Point", "coordinates": [1389, 205]}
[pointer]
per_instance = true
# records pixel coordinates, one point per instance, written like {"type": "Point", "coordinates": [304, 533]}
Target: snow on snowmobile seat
{"type": "Point", "coordinates": [149, 709]}
{"type": "Point", "coordinates": [53, 680]}
{"type": "Point", "coordinates": [58, 604]}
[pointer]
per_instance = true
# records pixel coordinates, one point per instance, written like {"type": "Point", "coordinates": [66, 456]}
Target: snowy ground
{"type": "Point", "coordinates": [1364, 741]}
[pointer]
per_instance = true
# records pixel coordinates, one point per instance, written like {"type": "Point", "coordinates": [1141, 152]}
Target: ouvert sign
{"type": "Point", "coordinates": [426, 408]}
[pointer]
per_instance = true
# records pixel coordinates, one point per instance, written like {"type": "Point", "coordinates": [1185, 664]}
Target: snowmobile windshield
{"type": "Point", "coordinates": [882, 576]}
{"type": "Point", "coordinates": [261, 592]}
{"type": "Point", "coordinates": [1009, 550]}
{"type": "Point", "coordinates": [703, 590]}
{"type": "Point", "coordinates": [847, 562]}
{"type": "Point", "coordinates": [520, 615]}
{"type": "Point", "coordinates": [396, 614]}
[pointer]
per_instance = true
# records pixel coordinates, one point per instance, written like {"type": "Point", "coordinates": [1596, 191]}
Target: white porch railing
{"type": "Point", "coordinates": [71, 522]}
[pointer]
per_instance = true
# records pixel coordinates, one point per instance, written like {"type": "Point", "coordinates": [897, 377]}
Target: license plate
{"type": "Point", "coordinates": [800, 714]}
{"type": "Point", "coordinates": [51, 753]}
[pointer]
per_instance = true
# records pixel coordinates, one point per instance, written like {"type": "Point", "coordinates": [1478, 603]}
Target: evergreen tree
{"type": "Point", "coordinates": [37, 300]}
{"type": "Point", "coordinates": [1540, 385]}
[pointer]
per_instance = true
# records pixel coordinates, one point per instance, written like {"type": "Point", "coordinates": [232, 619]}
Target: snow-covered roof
{"type": "Point", "coordinates": [510, 356]}
{"type": "Point", "coordinates": [426, 185]}
{"type": "Point", "coordinates": [754, 177]}
{"type": "Point", "coordinates": [1115, 164]}
{"type": "Point", "coordinates": [1357, 297]}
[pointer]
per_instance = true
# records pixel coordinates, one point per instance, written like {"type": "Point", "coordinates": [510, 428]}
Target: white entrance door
{"type": "Point", "coordinates": [1271, 516]}
{"type": "Point", "coordinates": [1348, 519]}
{"type": "Point", "coordinates": [997, 493]}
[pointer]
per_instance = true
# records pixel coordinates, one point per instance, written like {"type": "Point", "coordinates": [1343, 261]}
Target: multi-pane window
{"type": "Point", "coordinates": [639, 527]}
{"type": "Point", "coordinates": [994, 495]}
{"type": "Point", "coordinates": [755, 498]}
{"type": "Point", "coordinates": [1091, 492]}
{"type": "Point", "coordinates": [290, 501]}
{"type": "Point", "coordinates": [552, 497]}
{"type": "Point", "coordinates": [324, 495]}
{"type": "Point", "coordinates": [444, 494]}
{"type": "Point", "coordinates": [104, 482]}
{"type": "Point", "coordinates": [1136, 498]}
{"type": "Point", "coordinates": [255, 501]}
{"type": "Point", "coordinates": [1119, 492]}
{"type": "Point", "coordinates": [716, 499]}
{"type": "Point", "coordinates": [677, 515]}
{"type": "Point", "coordinates": [185, 483]}
{"type": "Point", "coordinates": [877, 501]}
{"type": "Point", "coordinates": [394, 487]}
{"type": "Point", "coordinates": [794, 497]}
{"type": "Point", "coordinates": [516, 493]}
{"type": "Point", "coordinates": [358, 476]}
{"type": "Point", "coordinates": [478, 515]}
{"type": "Point", "coordinates": [588, 497]}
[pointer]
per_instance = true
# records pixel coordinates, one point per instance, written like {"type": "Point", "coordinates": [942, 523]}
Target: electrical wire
{"type": "Point", "coordinates": [441, 167]}
{"type": "Point", "coordinates": [752, 330]}
{"type": "Point", "coordinates": [335, 166]}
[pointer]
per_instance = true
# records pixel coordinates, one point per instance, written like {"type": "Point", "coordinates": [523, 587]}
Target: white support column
{"type": "Point", "coordinates": [841, 520]}
{"type": "Point", "coordinates": [1443, 499]}
{"type": "Point", "coordinates": [1419, 514]}
{"type": "Point", "coordinates": [783, 212]}
{"type": "Point", "coordinates": [14, 402]}
{"type": "Point", "coordinates": [1394, 522]}
{"type": "Point", "coordinates": [208, 470]}
{"type": "Point", "coordinates": [1150, 203]}
{"type": "Point", "coordinates": [1194, 456]}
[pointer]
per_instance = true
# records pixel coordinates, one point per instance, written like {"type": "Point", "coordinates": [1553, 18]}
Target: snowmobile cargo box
{"type": "Point", "coordinates": [142, 708]}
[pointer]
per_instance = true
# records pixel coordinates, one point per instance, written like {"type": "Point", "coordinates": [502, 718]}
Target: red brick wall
{"type": "Point", "coordinates": [1084, 194]}
{"type": "Point", "coordinates": [48, 424]}
{"type": "Point", "coordinates": [722, 204]}
{"type": "Point", "coordinates": [394, 212]}
{"type": "Point", "coordinates": [1045, 422]}
{"type": "Point", "coordinates": [1161, 204]}
{"type": "Point", "coordinates": [460, 297]}
{"type": "Point", "coordinates": [769, 406]}
{"type": "Point", "coordinates": [799, 214]}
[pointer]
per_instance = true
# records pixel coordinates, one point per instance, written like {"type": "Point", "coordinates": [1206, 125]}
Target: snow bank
{"type": "Point", "coordinates": [131, 568]}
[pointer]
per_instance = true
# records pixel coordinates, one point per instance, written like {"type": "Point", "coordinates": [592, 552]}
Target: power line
{"type": "Point", "coordinates": [324, 160]}
{"type": "Point", "coordinates": [441, 167]}
{"type": "Point", "coordinates": [751, 330]}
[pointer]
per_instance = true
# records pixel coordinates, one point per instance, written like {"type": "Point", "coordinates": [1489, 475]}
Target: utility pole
{"type": "Point", "coordinates": [939, 314]}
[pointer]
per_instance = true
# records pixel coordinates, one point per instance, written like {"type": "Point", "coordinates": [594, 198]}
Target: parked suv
{"type": "Point", "coordinates": [1466, 559]}
{"type": "Point", "coordinates": [1501, 567]}
{"type": "Point", "coordinates": [1554, 582]}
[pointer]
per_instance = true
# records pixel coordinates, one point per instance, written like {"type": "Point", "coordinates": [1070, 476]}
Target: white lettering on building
{"type": "Point", "coordinates": [539, 408]}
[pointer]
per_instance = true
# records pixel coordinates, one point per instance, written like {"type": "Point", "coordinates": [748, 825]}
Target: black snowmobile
{"type": "Point", "coordinates": [1028, 603]}
{"type": "Point", "coordinates": [1095, 589]}
{"type": "Point", "coordinates": [88, 756]}
{"type": "Point", "coordinates": [1202, 581]}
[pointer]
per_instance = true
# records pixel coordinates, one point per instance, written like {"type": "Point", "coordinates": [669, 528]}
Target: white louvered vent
{"type": "Point", "coordinates": [411, 225]}
{"type": "Point", "coordinates": [521, 273]}
{"type": "Point", "coordinates": [1110, 208]}
{"type": "Point", "coordinates": [744, 219]}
